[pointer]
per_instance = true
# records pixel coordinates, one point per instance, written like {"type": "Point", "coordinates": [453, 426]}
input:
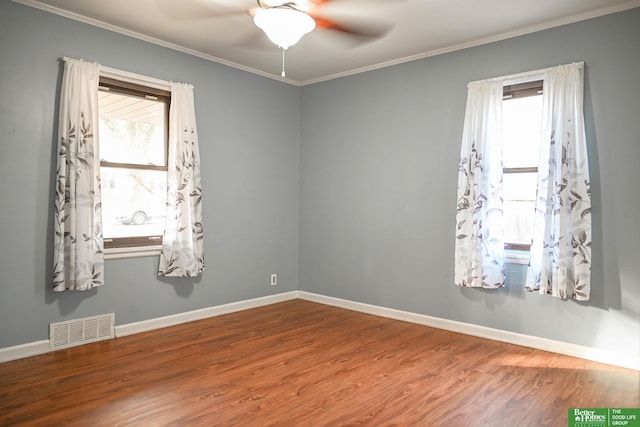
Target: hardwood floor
{"type": "Point", "coordinates": [299, 363]}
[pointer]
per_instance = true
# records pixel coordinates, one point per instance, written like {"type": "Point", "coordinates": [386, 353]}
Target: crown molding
{"type": "Point", "coordinates": [116, 29]}
{"type": "Point", "coordinates": [447, 49]}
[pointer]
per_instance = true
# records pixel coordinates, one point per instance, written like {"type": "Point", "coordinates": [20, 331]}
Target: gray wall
{"type": "Point", "coordinates": [378, 158]}
{"type": "Point", "coordinates": [249, 133]}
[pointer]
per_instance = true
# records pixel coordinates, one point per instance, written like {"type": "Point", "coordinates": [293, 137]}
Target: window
{"type": "Point", "coordinates": [500, 186]}
{"type": "Point", "coordinates": [133, 138]}
{"type": "Point", "coordinates": [521, 125]}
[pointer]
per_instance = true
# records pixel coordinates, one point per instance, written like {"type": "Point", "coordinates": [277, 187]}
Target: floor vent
{"type": "Point", "coordinates": [81, 331]}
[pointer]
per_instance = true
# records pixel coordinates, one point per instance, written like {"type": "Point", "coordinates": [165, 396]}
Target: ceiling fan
{"type": "Point", "coordinates": [285, 22]}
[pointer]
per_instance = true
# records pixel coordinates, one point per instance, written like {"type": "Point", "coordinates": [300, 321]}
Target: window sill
{"type": "Point", "coordinates": [513, 256]}
{"type": "Point", "coordinates": [140, 251]}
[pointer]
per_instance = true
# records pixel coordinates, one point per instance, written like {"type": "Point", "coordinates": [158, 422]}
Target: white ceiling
{"type": "Point", "coordinates": [418, 28]}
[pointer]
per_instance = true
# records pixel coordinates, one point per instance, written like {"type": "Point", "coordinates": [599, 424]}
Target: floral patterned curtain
{"type": "Point", "coordinates": [78, 248]}
{"type": "Point", "coordinates": [183, 241]}
{"type": "Point", "coordinates": [560, 260]}
{"type": "Point", "coordinates": [479, 245]}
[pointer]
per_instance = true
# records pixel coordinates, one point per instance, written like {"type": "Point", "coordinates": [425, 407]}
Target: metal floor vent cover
{"type": "Point", "coordinates": [81, 331]}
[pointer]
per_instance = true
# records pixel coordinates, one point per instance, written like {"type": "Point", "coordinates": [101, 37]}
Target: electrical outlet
{"type": "Point", "coordinates": [274, 279]}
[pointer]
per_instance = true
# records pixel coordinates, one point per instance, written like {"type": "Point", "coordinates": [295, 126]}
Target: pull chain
{"type": "Point", "coordinates": [283, 73]}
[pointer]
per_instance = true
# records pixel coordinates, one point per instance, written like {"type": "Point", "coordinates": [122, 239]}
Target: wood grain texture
{"type": "Point", "coordinates": [299, 363]}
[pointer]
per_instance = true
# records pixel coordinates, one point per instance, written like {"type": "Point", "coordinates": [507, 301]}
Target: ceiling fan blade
{"type": "Point", "coordinates": [255, 40]}
{"type": "Point", "coordinates": [191, 10]}
{"type": "Point", "coordinates": [364, 29]}
{"type": "Point", "coordinates": [324, 2]}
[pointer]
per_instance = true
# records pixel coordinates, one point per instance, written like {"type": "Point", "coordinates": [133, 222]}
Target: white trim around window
{"type": "Point", "coordinates": [134, 78]}
{"type": "Point", "coordinates": [117, 253]}
{"type": "Point", "coordinates": [512, 256]}
{"type": "Point", "coordinates": [142, 80]}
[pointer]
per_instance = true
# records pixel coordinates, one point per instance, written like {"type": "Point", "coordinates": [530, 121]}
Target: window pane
{"type": "Point", "coordinates": [519, 186]}
{"type": "Point", "coordinates": [519, 192]}
{"type": "Point", "coordinates": [132, 129]}
{"type": "Point", "coordinates": [521, 124]}
{"type": "Point", "coordinates": [133, 202]}
{"type": "Point", "coordinates": [518, 221]}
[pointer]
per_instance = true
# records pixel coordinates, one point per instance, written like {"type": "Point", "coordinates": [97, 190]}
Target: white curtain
{"type": "Point", "coordinates": [560, 263]}
{"type": "Point", "coordinates": [78, 247]}
{"type": "Point", "coordinates": [183, 241]}
{"type": "Point", "coordinates": [479, 245]}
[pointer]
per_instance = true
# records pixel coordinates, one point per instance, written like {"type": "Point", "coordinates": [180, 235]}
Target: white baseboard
{"type": "Point", "coordinates": [40, 347]}
{"type": "Point", "coordinates": [189, 316]}
{"type": "Point", "coordinates": [589, 353]}
{"type": "Point", "coordinates": [24, 350]}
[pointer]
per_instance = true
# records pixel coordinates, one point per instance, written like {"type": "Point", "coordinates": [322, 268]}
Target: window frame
{"type": "Point", "coordinates": [509, 92]}
{"type": "Point", "coordinates": [142, 86]}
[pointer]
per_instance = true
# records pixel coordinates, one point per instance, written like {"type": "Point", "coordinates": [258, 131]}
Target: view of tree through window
{"type": "Point", "coordinates": [133, 162]}
{"type": "Point", "coordinates": [522, 121]}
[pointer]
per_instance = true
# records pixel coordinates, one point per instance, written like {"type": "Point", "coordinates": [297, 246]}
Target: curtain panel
{"type": "Point", "coordinates": [479, 245]}
{"type": "Point", "coordinates": [78, 254]}
{"type": "Point", "coordinates": [560, 262]}
{"type": "Point", "coordinates": [560, 253]}
{"type": "Point", "coordinates": [183, 241]}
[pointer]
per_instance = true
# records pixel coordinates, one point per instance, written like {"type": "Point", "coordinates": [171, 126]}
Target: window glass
{"type": "Point", "coordinates": [519, 193]}
{"type": "Point", "coordinates": [132, 129]}
{"type": "Point", "coordinates": [522, 122]}
{"type": "Point", "coordinates": [133, 202]}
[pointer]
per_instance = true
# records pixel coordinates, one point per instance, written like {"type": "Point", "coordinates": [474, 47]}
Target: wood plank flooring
{"type": "Point", "coordinates": [299, 363]}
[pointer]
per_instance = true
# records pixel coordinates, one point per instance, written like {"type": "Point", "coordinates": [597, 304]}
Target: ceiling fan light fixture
{"type": "Point", "coordinates": [283, 25]}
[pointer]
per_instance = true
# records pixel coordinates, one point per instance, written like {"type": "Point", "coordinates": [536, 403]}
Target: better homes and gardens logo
{"type": "Point", "coordinates": [588, 417]}
{"type": "Point", "coordinates": [604, 417]}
